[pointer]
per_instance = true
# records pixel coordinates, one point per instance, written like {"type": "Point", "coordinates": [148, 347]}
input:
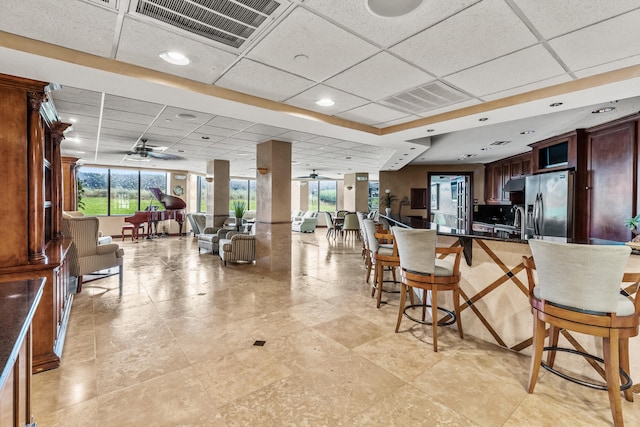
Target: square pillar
{"type": "Point", "coordinates": [217, 192]}
{"type": "Point", "coordinates": [356, 192]}
{"type": "Point", "coordinates": [273, 209]}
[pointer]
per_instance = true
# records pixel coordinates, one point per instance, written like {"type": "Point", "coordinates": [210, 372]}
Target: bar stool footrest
{"type": "Point", "coordinates": [627, 385]}
{"type": "Point", "coordinates": [447, 323]}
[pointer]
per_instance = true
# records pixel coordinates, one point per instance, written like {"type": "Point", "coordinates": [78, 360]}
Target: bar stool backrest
{"type": "Point", "coordinates": [586, 277]}
{"type": "Point", "coordinates": [417, 249]}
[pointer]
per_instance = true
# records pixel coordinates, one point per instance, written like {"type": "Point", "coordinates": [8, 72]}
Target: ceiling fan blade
{"type": "Point", "coordinates": [163, 156]}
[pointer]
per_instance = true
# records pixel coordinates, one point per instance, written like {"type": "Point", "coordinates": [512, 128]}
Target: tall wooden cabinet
{"type": "Point", "coordinates": [498, 173]}
{"type": "Point", "coordinates": [32, 242]}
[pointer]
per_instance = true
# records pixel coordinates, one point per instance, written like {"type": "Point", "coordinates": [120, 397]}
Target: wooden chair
{"type": "Point", "coordinates": [578, 289]}
{"type": "Point", "coordinates": [382, 253]}
{"type": "Point", "coordinates": [420, 269]}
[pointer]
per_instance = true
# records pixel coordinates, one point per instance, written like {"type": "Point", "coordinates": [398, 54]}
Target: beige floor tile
{"type": "Point", "coordinates": [119, 370]}
{"type": "Point", "coordinates": [350, 330]}
{"type": "Point", "coordinates": [176, 398]}
{"type": "Point", "coordinates": [63, 387]}
{"type": "Point", "coordinates": [80, 414]}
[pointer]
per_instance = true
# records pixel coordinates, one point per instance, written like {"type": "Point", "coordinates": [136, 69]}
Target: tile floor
{"type": "Point", "coordinates": [178, 350]}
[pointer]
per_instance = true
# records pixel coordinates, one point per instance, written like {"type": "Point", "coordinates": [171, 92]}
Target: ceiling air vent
{"type": "Point", "coordinates": [425, 98]}
{"type": "Point", "coordinates": [231, 22]}
{"type": "Point", "coordinates": [111, 4]}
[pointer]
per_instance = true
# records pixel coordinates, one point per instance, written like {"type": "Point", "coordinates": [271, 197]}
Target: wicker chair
{"type": "Point", "coordinates": [86, 255]}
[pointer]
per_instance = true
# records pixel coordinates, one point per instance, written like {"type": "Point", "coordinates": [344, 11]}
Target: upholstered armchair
{"type": "Point", "coordinates": [210, 242]}
{"type": "Point", "coordinates": [238, 246]}
{"type": "Point", "coordinates": [306, 224]}
{"type": "Point", "coordinates": [198, 223]}
{"type": "Point", "coordinates": [85, 254]}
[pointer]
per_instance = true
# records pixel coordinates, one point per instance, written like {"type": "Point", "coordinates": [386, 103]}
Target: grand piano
{"type": "Point", "coordinates": [174, 209]}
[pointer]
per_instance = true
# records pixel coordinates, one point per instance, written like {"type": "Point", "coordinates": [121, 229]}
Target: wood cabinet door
{"type": "Point", "coordinates": [489, 188]}
{"type": "Point", "coordinates": [611, 181]}
{"type": "Point", "coordinates": [516, 168]}
{"type": "Point", "coordinates": [526, 165]}
{"type": "Point", "coordinates": [418, 198]}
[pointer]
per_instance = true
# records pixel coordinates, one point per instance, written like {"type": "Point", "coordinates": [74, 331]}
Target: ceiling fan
{"type": "Point", "coordinates": [145, 150]}
{"type": "Point", "coordinates": [312, 175]}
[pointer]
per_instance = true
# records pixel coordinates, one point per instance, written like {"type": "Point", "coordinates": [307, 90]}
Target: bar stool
{"type": "Point", "coordinates": [578, 290]}
{"type": "Point", "coordinates": [420, 269]}
{"type": "Point", "coordinates": [381, 255]}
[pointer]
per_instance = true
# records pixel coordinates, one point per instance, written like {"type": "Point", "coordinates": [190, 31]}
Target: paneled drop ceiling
{"type": "Point", "coordinates": [432, 73]}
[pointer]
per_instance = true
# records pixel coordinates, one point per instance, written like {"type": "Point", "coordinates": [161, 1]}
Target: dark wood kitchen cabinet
{"type": "Point", "coordinates": [610, 190]}
{"type": "Point", "coordinates": [498, 173]}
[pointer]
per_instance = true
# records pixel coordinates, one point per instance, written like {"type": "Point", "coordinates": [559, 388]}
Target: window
{"type": "Point", "coordinates": [118, 191]}
{"type": "Point", "coordinates": [374, 198]}
{"type": "Point", "coordinates": [202, 194]}
{"type": "Point", "coordinates": [242, 190]}
{"type": "Point", "coordinates": [95, 186]}
{"type": "Point", "coordinates": [323, 195]}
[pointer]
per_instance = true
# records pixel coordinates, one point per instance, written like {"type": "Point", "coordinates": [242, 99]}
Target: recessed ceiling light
{"type": "Point", "coordinates": [175, 58]}
{"type": "Point", "coordinates": [204, 137]}
{"type": "Point", "coordinates": [466, 156]}
{"type": "Point", "coordinates": [431, 130]}
{"type": "Point", "coordinates": [412, 148]}
{"type": "Point", "coordinates": [392, 9]}
{"type": "Point", "coordinates": [180, 151]}
{"type": "Point", "coordinates": [301, 58]}
{"type": "Point", "coordinates": [555, 104]}
{"type": "Point", "coordinates": [348, 157]}
{"type": "Point", "coordinates": [483, 119]}
{"type": "Point", "coordinates": [186, 116]}
{"type": "Point", "coordinates": [73, 119]}
{"type": "Point", "coordinates": [527, 132]}
{"type": "Point", "coordinates": [486, 148]}
{"type": "Point", "coordinates": [603, 110]}
{"type": "Point", "coordinates": [325, 102]}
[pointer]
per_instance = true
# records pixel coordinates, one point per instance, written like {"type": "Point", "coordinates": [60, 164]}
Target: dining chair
{"type": "Point", "coordinates": [351, 226]}
{"type": "Point", "coordinates": [420, 268]}
{"type": "Point", "coordinates": [578, 289]}
{"type": "Point", "coordinates": [331, 226]}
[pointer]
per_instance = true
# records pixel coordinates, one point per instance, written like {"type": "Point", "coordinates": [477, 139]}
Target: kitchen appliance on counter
{"type": "Point", "coordinates": [549, 206]}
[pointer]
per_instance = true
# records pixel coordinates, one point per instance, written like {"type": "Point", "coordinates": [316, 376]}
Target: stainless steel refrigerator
{"type": "Point", "coordinates": [549, 205]}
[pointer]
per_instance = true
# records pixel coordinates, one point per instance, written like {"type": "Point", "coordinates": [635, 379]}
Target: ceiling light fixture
{"type": "Point", "coordinates": [527, 132]}
{"type": "Point", "coordinates": [186, 116]}
{"type": "Point", "coordinates": [175, 58]}
{"type": "Point", "coordinates": [392, 9]}
{"type": "Point", "coordinates": [603, 110]}
{"type": "Point", "coordinates": [483, 119]}
{"type": "Point", "coordinates": [466, 156]}
{"type": "Point", "coordinates": [204, 137]}
{"type": "Point", "coordinates": [301, 58]}
{"type": "Point", "coordinates": [555, 104]}
{"type": "Point", "coordinates": [73, 119]}
{"type": "Point", "coordinates": [325, 102]}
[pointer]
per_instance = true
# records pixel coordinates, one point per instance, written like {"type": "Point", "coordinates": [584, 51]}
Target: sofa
{"type": "Point", "coordinates": [307, 223]}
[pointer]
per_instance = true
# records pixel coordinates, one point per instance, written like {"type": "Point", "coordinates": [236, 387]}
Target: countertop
{"type": "Point", "coordinates": [413, 222]}
{"type": "Point", "coordinates": [18, 302]}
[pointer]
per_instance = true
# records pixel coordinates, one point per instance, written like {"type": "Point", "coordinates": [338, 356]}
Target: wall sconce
{"type": "Point", "coordinates": [262, 171]}
{"type": "Point", "coordinates": [209, 179]}
{"type": "Point", "coordinates": [387, 191]}
{"type": "Point", "coordinates": [349, 187]}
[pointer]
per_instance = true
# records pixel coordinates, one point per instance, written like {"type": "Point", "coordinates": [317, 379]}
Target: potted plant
{"type": "Point", "coordinates": [239, 208]}
{"type": "Point", "coordinates": [387, 200]}
{"type": "Point", "coordinates": [632, 224]}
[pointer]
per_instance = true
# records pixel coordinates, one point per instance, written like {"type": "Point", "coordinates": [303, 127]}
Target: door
{"type": "Point", "coordinates": [611, 178]}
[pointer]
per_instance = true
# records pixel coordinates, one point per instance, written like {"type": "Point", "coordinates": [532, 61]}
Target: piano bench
{"type": "Point", "coordinates": [131, 229]}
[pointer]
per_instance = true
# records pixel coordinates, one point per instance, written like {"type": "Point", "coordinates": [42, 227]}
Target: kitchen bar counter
{"type": "Point", "coordinates": [494, 295]}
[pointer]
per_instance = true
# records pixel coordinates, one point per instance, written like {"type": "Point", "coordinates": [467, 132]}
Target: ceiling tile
{"type": "Point", "coordinates": [343, 101]}
{"type": "Point", "coordinates": [229, 123]}
{"type": "Point", "coordinates": [142, 42]}
{"type": "Point", "coordinates": [296, 136]}
{"type": "Point", "coordinates": [257, 79]}
{"type": "Point", "coordinates": [304, 33]}
{"type": "Point", "coordinates": [610, 66]}
{"type": "Point", "coordinates": [378, 77]}
{"type": "Point", "coordinates": [608, 41]}
{"type": "Point", "coordinates": [127, 104]}
{"type": "Point", "coordinates": [569, 15]}
{"type": "Point", "coordinates": [511, 71]}
{"type": "Point", "coordinates": [500, 32]}
{"type": "Point", "coordinates": [528, 87]}
{"type": "Point", "coordinates": [371, 114]}
{"type": "Point", "coordinates": [386, 32]}
{"type": "Point", "coordinates": [75, 24]}
{"type": "Point", "coordinates": [254, 137]}
{"type": "Point", "coordinates": [266, 130]}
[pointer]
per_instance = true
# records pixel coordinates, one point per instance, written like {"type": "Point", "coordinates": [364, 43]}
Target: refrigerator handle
{"type": "Point", "coordinates": [535, 216]}
{"type": "Point", "coordinates": [540, 214]}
